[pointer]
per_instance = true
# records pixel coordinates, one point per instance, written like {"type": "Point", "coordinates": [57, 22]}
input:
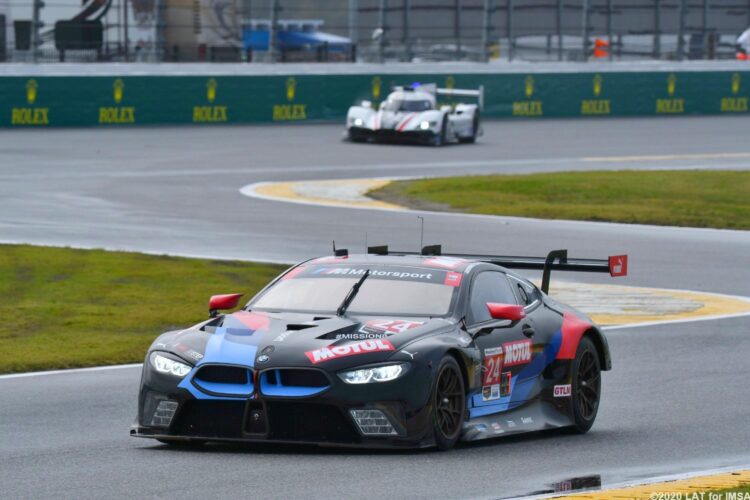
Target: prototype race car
{"type": "Point", "coordinates": [382, 350]}
{"type": "Point", "coordinates": [412, 114]}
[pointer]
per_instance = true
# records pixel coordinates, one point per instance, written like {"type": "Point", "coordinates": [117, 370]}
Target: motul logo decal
{"type": "Point", "coordinates": [517, 352]}
{"type": "Point", "coordinates": [342, 351]}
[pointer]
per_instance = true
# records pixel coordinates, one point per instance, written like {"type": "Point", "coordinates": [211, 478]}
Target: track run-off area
{"type": "Point", "coordinates": [675, 402]}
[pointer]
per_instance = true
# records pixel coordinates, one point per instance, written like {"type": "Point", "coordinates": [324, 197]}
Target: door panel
{"type": "Point", "coordinates": [505, 351]}
{"type": "Point", "coordinates": [547, 325]}
{"type": "Point", "coordinates": [545, 322]}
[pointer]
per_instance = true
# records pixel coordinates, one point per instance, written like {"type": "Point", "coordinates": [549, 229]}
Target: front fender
{"type": "Point", "coordinates": [360, 112]}
{"type": "Point", "coordinates": [427, 352]}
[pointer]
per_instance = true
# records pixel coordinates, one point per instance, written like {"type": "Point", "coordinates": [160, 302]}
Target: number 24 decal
{"type": "Point", "coordinates": [492, 367]}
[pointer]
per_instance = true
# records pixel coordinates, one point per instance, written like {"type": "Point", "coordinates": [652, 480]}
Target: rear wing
{"type": "Point", "coordinates": [433, 89]}
{"type": "Point", "coordinates": [556, 260]}
{"type": "Point", "coordinates": [479, 94]}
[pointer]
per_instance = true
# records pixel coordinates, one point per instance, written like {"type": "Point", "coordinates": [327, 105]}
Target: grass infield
{"type": "Point", "coordinates": [695, 198]}
{"type": "Point", "coordinates": [65, 308]}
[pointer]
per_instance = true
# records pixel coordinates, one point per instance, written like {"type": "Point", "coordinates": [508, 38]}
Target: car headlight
{"type": "Point", "coordinates": [375, 374]}
{"type": "Point", "coordinates": [424, 125]}
{"type": "Point", "coordinates": [163, 364]}
{"type": "Point", "coordinates": [358, 122]}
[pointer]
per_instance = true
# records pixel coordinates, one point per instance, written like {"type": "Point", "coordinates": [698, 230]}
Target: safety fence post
{"type": "Point", "coordinates": [509, 27]}
{"type": "Point", "coordinates": [585, 28]}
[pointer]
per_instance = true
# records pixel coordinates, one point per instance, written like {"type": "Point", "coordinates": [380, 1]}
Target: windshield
{"type": "Point", "coordinates": [377, 296]}
{"type": "Point", "coordinates": [407, 105]}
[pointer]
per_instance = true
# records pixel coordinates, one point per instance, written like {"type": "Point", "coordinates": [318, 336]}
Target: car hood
{"type": "Point", "coordinates": [271, 340]}
{"type": "Point", "coordinates": [400, 120]}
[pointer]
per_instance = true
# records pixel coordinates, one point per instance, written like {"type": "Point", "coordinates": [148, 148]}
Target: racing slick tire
{"type": "Point", "coordinates": [587, 386]}
{"type": "Point", "coordinates": [439, 139]}
{"type": "Point", "coordinates": [182, 443]}
{"type": "Point", "coordinates": [475, 130]}
{"type": "Point", "coordinates": [448, 404]}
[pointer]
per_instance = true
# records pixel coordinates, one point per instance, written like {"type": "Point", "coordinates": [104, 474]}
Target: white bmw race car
{"type": "Point", "coordinates": [412, 114]}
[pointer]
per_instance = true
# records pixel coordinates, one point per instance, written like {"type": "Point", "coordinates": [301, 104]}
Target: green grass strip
{"type": "Point", "coordinates": [694, 198]}
{"type": "Point", "coordinates": [65, 308]}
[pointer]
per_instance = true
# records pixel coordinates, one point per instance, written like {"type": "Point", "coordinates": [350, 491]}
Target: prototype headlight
{"type": "Point", "coordinates": [376, 374]}
{"type": "Point", "coordinates": [424, 125]}
{"type": "Point", "coordinates": [162, 364]}
{"type": "Point", "coordinates": [358, 122]}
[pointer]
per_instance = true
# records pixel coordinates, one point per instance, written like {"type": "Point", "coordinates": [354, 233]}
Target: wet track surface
{"type": "Point", "coordinates": [676, 400]}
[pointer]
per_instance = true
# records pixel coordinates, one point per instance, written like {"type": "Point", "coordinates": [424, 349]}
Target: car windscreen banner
{"type": "Point", "coordinates": [395, 273]}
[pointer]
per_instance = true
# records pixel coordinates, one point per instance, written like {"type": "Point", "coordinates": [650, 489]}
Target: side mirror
{"type": "Point", "coordinates": [218, 302]}
{"type": "Point", "coordinates": [503, 316]}
{"type": "Point", "coordinates": [366, 104]}
{"type": "Point", "coordinates": [512, 312]}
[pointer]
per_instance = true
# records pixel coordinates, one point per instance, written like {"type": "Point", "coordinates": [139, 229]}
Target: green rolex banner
{"type": "Point", "coordinates": [151, 100]}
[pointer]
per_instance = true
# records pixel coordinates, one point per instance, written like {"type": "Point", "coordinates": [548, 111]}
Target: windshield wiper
{"type": "Point", "coordinates": [352, 293]}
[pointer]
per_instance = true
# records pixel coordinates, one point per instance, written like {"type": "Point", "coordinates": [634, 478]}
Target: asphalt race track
{"type": "Point", "coordinates": [676, 400]}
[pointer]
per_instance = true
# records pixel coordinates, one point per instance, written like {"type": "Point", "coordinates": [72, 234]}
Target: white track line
{"type": "Point", "coordinates": [69, 371]}
{"type": "Point", "coordinates": [500, 166]}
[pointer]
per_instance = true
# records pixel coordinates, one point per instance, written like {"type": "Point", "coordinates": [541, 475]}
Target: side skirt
{"type": "Point", "coordinates": [531, 417]}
